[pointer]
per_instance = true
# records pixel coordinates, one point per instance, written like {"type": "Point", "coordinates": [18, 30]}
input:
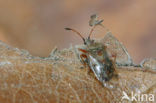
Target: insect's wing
{"type": "Point", "coordinates": [96, 67]}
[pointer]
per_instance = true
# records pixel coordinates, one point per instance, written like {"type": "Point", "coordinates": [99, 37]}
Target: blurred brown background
{"type": "Point", "coordinates": [38, 25]}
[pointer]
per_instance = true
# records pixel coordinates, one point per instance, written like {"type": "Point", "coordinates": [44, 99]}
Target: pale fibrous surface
{"type": "Point", "coordinates": [61, 78]}
{"type": "Point", "coordinates": [149, 63]}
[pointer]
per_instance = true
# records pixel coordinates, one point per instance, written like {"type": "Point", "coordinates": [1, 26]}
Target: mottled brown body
{"type": "Point", "coordinates": [99, 52]}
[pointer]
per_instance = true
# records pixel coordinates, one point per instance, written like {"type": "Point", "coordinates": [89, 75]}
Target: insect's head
{"type": "Point", "coordinates": [87, 41]}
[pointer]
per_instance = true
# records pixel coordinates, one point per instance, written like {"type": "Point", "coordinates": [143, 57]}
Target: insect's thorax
{"type": "Point", "coordinates": [98, 51]}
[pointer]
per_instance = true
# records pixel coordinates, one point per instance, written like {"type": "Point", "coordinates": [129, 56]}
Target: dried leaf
{"type": "Point", "coordinates": [59, 79]}
{"type": "Point", "coordinates": [116, 47]}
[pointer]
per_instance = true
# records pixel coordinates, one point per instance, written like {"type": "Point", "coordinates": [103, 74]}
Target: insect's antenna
{"type": "Point", "coordinates": [76, 33]}
{"type": "Point", "coordinates": [91, 31]}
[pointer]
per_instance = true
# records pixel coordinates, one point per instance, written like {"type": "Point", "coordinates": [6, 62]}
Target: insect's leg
{"type": "Point", "coordinates": [83, 57]}
{"type": "Point", "coordinates": [107, 85]}
{"type": "Point", "coordinates": [89, 71]}
{"type": "Point", "coordinates": [114, 64]}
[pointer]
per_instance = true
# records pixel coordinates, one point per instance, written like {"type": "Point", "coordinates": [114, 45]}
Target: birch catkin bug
{"type": "Point", "coordinates": [94, 55]}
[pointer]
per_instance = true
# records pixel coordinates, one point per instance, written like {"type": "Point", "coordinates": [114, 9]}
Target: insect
{"type": "Point", "coordinates": [94, 55]}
